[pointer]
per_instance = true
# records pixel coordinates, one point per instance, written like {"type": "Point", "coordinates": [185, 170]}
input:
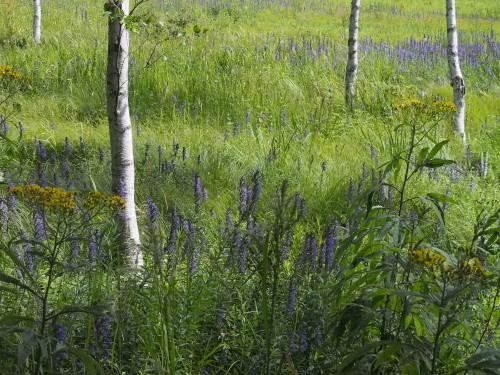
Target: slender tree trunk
{"type": "Point", "coordinates": [352, 55]}
{"type": "Point", "coordinates": [120, 127]}
{"type": "Point", "coordinates": [37, 21]}
{"type": "Point", "coordinates": [456, 78]}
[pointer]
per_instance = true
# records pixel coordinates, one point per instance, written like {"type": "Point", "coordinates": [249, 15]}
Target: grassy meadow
{"type": "Point", "coordinates": [283, 232]}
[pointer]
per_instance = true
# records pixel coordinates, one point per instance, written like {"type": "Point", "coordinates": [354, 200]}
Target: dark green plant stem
{"type": "Point", "coordinates": [438, 331]}
{"type": "Point", "coordinates": [265, 303]}
{"type": "Point", "coordinates": [488, 320]}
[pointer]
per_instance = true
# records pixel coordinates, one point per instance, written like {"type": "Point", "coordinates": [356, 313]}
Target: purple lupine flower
{"type": "Point", "coordinates": [330, 245]}
{"type": "Point", "coordinates": [197, 191]}
{"type": "Point", "coordinates": [27, 247]}
{"type": "Point", "coordinates": [40, 225]}
{"type": "Point", "coordinates": [4, 214]}
{"type": "Point", "coordinates": [4, 128]}
{"type": "Point", "coordinates": [292, 298]}
{"type": "Point", "coordinates": [284, 116]}
{"type": "Point", "coordinates": [102, 329]}
{"type": "Point", "coordinates": [102, 155]}
{"type": "Point", "coordinates": [41, 151]}
{"type": "Point", "coordinates": [175, 226]}
{"type": "Point", "coordinates": [67, 147]}
{"type": "Point", "coordinates": [93, 246]}
{"type": "Point", "coordinates": [285, 247]}
{"type": "Point", "coordinates": [245, 196]}
{"type": "Point", "coordinates": [310, 250]}
{"type": "Point", "coordinates": [41, 175]}
{"type": "Point", "coordinates": [12, 200]}
{"type": "Point", "coordinates": [60, 335]}
{"type": "Point", "coordinates": [300, 206]}
{"type": "Point", "coordinates": [152, 213]}
{"type": "Point", "coordinates": [303, 341]}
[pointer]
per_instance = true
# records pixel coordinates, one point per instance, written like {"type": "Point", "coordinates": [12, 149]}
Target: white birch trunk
{"type": "Point", "coordinates": [37, 21]}
{"type": "Point", "coordinates": [352, 54]}
{"type": "Point", "coordinates": [120, 126]}
{"type": "Point", "coordinates": [456, 78]}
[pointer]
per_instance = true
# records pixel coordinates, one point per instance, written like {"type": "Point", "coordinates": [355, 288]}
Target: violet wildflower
{"type": "Point", "coordinates": [102, 329]}
{"type": "Point", "coordinates": [152, 213]}
{"type": "Point", "coordinates": [41, 175]}
{"type": "Point", "coordinates": [175, 226]}
{"type": "Point", "coordinates": [285, 247]}
{"type": "Point", "coordinates": [330, 245]}
{"type": "Point", "coordinates": [120, 189]}
{"type": "Point", "coordinates": [21, 129]}
{"type": "Point", "coordinates": [245, 196]}
{"type": "Point", "coordinates": [27, 248]}
{"type": "Point", "coordinates": [292, 298]}
{"type": "Point", "coordinates": [4, 128]}
{"type": "Point", "coordinates": [4, 214]}
{"type": "Point", "coordinates": [41, 151]}
{"type": "Point", "coordinates": [318, 337]}
{"type": "Point", "coordinates": [93, 246]}
{"type": "Point", "coordinates": [310, 249]}
{"type": "Point", "coordinates": [197, 192]}
{"type": "Point", "coordinates": [75, 248]}
{"type": "Point", "coordinates": [40, 225]}
{"type": "Point", "coordinates": [300, 206]}
{"type": "Point", "coordinates": [303, 341]}
{"type": "Point", "coordinates": [67, 147]}
{"type": "Point", "coordinates": [60, 335]}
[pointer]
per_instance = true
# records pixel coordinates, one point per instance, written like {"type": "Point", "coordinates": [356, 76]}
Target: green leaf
{"type": "Point", "coordinates": [422, 155]}
{"type": "Point", "coordinates": [441, 198]}
{"type": "Point", "coordinates": [387, 353]}
{"type": "Point", "coordinates": [437, 148]}
{"type": "Point", "coordinates": [11, 280]}
{"type": "Point", "coordinates": [436, 163]}
{"type": "Point", "coordinates": [91, 366]}
{"type": "Point", "coordinates": [196, 29]}
{"type": "Point", "coordinates": [478, 357]}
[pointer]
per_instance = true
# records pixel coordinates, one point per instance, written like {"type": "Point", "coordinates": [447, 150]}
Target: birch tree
{"type": "Point", "coordinates": [120, 126]}
{"type": "Point", "coordinates": [456, 78]}
{"type": "Point", "coordinates": [352, 54]}
{"type": "Point", "coordinates": [37, 21]}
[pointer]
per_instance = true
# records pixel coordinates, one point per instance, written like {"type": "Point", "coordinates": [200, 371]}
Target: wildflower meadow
{"type": "Point", "coordinates": [282, 231]}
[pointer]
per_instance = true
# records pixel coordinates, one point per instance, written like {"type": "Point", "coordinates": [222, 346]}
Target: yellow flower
{"type": "Point", "coordinates": [427, 258]}
{"type": "Point", "coordinates": [471, 268]}
{"type": "Point", "coordinates": [445, 107]}
{"type": "Point", "coordinates": [97, 199]}
{"type": "Point", "coordinates": [49, 197]}
{"type": "Point", "coordinates": [7, 71]}
{"type": "Point", "coordinates": [412, 104]}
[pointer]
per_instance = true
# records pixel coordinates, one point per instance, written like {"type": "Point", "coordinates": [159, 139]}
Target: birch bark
{"type": "Point", "coordinates": [352, 54]}
{"type": "Point", "coordinates": [37, 21]}
{"type": "Point", "coordinates": [456, 78]}
{"type": "Point", "coordinates": [120, 127]}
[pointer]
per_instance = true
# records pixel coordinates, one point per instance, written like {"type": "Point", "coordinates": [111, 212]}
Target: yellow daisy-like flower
{"type": "Point", "coordinates": [445, 107]}
{"type": "Point", "coordinates": [471, 268]}
{"type": "Point", "coordinates": [7, 71]}
{"type": "Point", "coordinates": [49, 197]}
{"type": "Point", "coordinates": [96, 199]}
{"type": "Point", "coordinates": [427, 258]}
{"type": "Point", "coordinates": [412, 104]}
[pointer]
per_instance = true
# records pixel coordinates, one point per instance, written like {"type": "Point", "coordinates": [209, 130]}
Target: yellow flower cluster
{"type": "Point", "coordinates": [445, 107]}
{"type": "Point", "coordinates": [96, 199]}
{"type": "Point", "coordinates": [470, 268]}
{"type": "Point", "coordinates": [50, 197]}
{"type": "Point", "coordinates": [412, 104]}
{"type": "Point", "coordinates": [420, 106]}
{"type": "Point", "coordinates": [7, 71]}
{"type": "Point", "coordinates": [427, 258]}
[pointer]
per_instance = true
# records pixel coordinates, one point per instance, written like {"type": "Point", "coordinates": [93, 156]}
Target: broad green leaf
{"type": "Point", "coordinates": [91, 366]}
{"type": "Point", "coordinates": [387, 353]}
{"type": "Point", "coordinates": [422, 155]}
{"type": "Point", "coordinates": [437, 148]}
{"type": "Point", "coordinates": [436, 163]}
{"type": "Point", "coordinates": [11, 280]}
{"type": "Point", "coordinates": [441, 198]}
